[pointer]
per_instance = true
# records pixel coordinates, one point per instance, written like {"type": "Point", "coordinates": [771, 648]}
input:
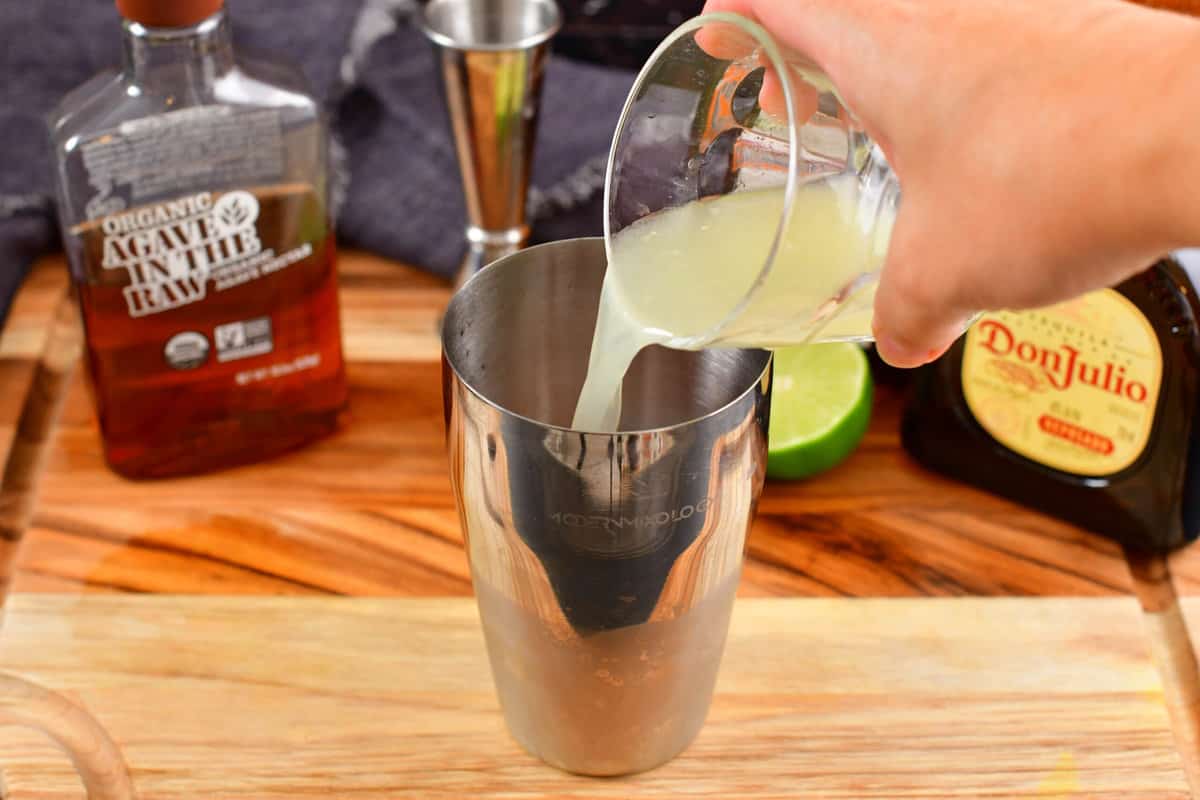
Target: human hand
{"type": "Point", "coordinates": [1044, 147]}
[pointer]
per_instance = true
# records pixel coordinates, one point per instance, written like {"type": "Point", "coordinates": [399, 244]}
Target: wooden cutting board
{"type": "Point", "coordinates": [370, 509]}
{"type": "Point", "coordinates": [257, 698]}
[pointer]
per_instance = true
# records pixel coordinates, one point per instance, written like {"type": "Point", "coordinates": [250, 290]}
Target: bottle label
{"type": "Point", "coordinates": [149, 158]}
{"type": "Point", "coordinates": [1074, 386]}
{"type": "Point", "coordinates": [174, 253]}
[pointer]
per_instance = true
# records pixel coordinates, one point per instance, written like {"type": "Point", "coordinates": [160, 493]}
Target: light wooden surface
{"type": "Point", "coordinates": [369, 511]}
{"type": "Point", "coordinates": [257, 698]}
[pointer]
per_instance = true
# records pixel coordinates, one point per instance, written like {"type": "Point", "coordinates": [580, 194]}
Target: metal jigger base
{"type": "Point", "coordinates": [484, 247]}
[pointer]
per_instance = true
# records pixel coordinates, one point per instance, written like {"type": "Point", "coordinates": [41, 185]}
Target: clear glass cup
{"type": "Point", "coordinates": [721, 109]}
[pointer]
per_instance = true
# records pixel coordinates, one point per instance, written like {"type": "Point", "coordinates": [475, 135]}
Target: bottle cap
{"type": "Point", "coordinates": [168, 13]}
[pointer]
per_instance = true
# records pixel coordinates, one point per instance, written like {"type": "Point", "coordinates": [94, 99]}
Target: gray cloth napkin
{"type": "Point", "coordinates": [405, 197]}
{"type": "Point", "coordinates": [400, 192]}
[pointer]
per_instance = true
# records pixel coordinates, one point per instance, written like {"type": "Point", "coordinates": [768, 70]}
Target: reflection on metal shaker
{"type": "Point", "coordinates": [605, 565]}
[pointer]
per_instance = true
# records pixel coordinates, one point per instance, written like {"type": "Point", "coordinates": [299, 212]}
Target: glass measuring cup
{"type": "Point", "coordinates": [746, 205]}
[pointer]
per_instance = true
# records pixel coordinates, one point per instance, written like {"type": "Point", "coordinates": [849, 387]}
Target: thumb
{"type": "Point", "coordinates": [918, 312]}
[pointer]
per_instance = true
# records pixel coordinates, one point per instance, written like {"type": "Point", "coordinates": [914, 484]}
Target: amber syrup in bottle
{"type": "Point", "coordinates": [193, 199]}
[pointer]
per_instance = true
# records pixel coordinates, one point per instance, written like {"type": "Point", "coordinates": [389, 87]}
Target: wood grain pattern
{"type": "Point", "coordinates": [1173, 652]}
{"type": "Point", "coordinates": [369, 511]}
{"type": "Point", "coordinates": [389, 698]}
{"type": "Point", "coordinates": [95, 756]}
{"type": "Point", "coordinates": [33, 431]}
{"type": "Point", "coordinates": [23, 340]}
{"type": "Point", "coordinates": [1185, 570]}
{"type": "Point", "coordinates": [1173, 647]}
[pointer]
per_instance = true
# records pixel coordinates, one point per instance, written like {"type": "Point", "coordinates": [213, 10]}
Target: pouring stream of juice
{"type": "Point", "coordinates": [675, 276]}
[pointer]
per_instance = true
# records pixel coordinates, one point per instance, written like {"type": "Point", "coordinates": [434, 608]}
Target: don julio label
{"type": "Point", "coordinates": [1074, 386]}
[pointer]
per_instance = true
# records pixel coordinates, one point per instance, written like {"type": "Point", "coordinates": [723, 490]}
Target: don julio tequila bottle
{"type": "Point", "coordinates": [1088, 410]}
{"type": "Point", "coordinates": [192, 197]}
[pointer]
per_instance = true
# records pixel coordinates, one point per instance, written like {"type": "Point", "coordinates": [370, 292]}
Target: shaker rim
{"type": "Point", "coordinates": [763, 376]}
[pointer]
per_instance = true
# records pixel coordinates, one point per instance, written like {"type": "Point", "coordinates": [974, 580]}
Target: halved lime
{"type": "Point", "coordinates": [820, 408]}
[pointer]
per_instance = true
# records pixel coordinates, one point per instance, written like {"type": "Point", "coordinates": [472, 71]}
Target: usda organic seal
{"type": "Point", "coordinates": [186, 350]}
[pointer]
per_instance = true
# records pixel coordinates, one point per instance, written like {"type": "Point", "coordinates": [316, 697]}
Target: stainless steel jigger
{"type": "Point", "coordinates": [492, 55]}
{"type": "Point", "coordinates": [605, 564]}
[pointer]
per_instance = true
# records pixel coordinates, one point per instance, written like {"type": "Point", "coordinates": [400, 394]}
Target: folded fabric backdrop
{"type": "Point", "coordinates": [399, 190]}
{"type": "Point", "coordinates": [405, 197]}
